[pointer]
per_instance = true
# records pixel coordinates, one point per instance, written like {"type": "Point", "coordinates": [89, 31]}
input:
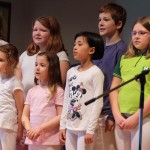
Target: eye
{"type": "Point", "coordinates": [99, 19]}
{"type": "Point", "coordinates": [133, 33]}
{"type": "Point", "coordinates": [34, 29]}
{"type": "Point", "coordinates": [142, 32]}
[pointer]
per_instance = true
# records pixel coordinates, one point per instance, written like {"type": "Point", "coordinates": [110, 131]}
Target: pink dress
{"type": "Point", "coordinates": [42, 110]}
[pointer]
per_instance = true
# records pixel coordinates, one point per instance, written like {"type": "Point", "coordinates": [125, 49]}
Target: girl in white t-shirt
{"type": "Point", "coordinates": [84, 82]}
{"type": "Point", "coordinates": [46, 36]}
{"type": "Point", "coordinates": [11, 99]}
{"type": "Point", "coordinates": [43, 105]}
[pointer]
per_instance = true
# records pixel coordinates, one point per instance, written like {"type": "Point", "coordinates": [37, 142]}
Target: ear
{"type": "Point", "coordinates": [119, 25]}
{"type": "Point", "coordinates": [92, 50]}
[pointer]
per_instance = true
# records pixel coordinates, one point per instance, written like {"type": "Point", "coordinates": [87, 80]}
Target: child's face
{"type": "Point", "coordinates": [3, 64]}
{"type": "Point", "coordinates": [40, 34]}
{"type": "Point", "coordinates": [140, 37]}
{"type": "Point", "coordinates": [81, 50]}
{"type": "Point", "coordinates": [106, 25]}
{"type": "Point", "coordinates": [42, 69]}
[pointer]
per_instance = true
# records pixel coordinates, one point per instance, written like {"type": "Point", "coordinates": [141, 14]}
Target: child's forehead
{"type": "Point", "coordinates": [2, 53]}
{"type": "Point", "coordinates": [105, 14]}
{"type": "Point", "coordinates": [81, 38]}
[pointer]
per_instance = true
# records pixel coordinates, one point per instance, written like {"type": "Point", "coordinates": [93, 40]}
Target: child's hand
{"type": "Point", "coordinates": [19, 136]}
{"type": "Point", "coordinates": [109, 125]}
{"type": "Point", "coordinates": [119, 119]}
{"type": "Point", "coordinates": [130, 123]}
{"type": "Point", "coordinates": [89, 138]}
{"type": "Point", "coordinates": [34, 133]}
{"type": "Point", "coordinates": [62, 135]}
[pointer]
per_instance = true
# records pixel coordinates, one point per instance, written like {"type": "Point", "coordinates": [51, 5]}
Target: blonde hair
{"type": "Point", "coordinates": [132, 51]}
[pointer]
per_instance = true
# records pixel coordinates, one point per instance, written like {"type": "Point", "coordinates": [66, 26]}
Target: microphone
{"type": "Point", "coordinates": [144, 72]}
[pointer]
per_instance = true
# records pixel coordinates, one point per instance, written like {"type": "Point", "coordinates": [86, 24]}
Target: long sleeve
{"type": "Point", "coordinates": [65, 106]}
{"type": "Point", "coordinates": [97, 82]}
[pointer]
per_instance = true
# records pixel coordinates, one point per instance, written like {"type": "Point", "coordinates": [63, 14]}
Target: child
{"type": "Point", "coordinates": [11, 99]}
{"type": "Point", "coordinates": [84, 82]}
{"type": "Point", "coordinates": [112, 18]}
{"type": "Point", "coordinates": [125, 101]}
{"type": "Point", "coordinates": [46, 36]}
{"type": "Point", "coordinates": [43, 105]}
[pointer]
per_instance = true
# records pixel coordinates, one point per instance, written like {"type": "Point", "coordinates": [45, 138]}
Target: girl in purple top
{"type": "Point", "coordinates": [43, 105]}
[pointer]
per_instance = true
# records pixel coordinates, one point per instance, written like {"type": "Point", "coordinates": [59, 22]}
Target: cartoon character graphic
{"type": "Point", "coordinates": [75, 105]}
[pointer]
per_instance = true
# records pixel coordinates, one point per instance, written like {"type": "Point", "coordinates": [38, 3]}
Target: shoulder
{"type": "Point", "coordinates": [60, 89]}
{"type": "Point", "coordinates": [33, 89]}
{"type": "Point", "coordinates": [121, 45]}
{"type": "Point", "coordinates": [72, 69]}
{"type": "Point", "coordinates": [62, 56]}
{"type": "Point", "coordinates": [16, 83]}
{"type": "Point", "coordinates": [96, 70]}
{"type": "Point", "coordinates": [24, 54]}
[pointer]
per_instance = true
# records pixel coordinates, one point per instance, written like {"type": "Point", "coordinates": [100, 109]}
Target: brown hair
{"type": "Point", "coordinates": [117, 12]}
{"type": "Point", "coordinates": [53, 70]}
{"type": "Point", "coordinates": [12, 54]}
{"type": "Point", "coordinates": [132, 51]}
{"type": "Point", "coordinates": [55, 43]}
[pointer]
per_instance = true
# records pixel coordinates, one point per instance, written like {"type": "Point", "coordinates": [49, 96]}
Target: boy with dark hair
{"type": "Point", "coordinates": [112, 18]}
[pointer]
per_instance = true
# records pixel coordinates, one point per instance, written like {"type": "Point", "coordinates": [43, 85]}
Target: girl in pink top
{"type": "Point", "coordinates": [43, 105]}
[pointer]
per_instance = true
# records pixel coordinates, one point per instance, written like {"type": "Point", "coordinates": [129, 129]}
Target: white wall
{"type": "Point", "coordinates": [73, 16]}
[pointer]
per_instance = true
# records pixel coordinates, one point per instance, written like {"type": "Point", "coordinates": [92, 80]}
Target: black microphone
{"type": "Point", "coordinates": [137, 77]}
{"type": "Point", "coordinates": [143, 73]}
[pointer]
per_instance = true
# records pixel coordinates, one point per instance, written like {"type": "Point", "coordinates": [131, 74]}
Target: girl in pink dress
{"type": "Point", "coordinates": [43, 105]}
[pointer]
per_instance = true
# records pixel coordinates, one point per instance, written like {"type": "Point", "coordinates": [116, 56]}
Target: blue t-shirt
{"type": "Point", "coordinates": [107, 64]}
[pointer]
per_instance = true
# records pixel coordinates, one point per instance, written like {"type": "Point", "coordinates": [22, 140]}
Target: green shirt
{"type": "Point", "coordinates": [129, 94]}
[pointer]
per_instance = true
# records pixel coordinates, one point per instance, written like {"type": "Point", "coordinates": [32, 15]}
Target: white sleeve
{"type": "Point", "coordinates": [62, 56]}
{"type": "Point", "coordinates": [98, 80]}
{"type": "Point", "coordinates": [65, 105]}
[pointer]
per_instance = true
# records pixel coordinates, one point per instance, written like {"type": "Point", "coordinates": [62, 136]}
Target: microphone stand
{"type": "Point", "coordinates": [141, 78]}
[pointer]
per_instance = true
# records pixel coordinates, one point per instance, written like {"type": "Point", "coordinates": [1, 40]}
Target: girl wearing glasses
{"type": "Point", "coordinates": [125, 101]}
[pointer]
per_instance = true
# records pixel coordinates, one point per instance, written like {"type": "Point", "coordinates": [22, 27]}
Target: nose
{"type": "Point", "coordinates": [74, 47]}
{"type": "Point", "coordinates": [37, 32]}
{"type": "Point", "coordinates": [37, 67]}
{"type": "Point", "coordinates": [100, 23]}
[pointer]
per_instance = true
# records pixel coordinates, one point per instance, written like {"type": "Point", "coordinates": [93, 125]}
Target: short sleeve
{"type": "Point", "coordinates": [17, 84]}
{"type": "Point", "coordinates": [62, 56]}
{"type": "Point", "coordinates": [59, 97]}
{"type": "Point", "coordinates": [22, 56]}
{"type": "Point", "coordinates": [28, 97]}
{"type": "Point", "coordinates": [117, 72]}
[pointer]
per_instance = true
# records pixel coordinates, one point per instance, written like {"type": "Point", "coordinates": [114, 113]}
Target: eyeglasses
{"type": "Point", "coordinates": [140, 33]}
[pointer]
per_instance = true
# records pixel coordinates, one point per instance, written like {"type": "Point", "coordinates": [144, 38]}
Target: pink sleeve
{"type": "Point", "coordinates": [59, 97]}
{"type": "Point", "coordinates": [28, 97]}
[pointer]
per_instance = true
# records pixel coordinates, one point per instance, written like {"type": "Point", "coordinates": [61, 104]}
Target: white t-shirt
{"type": "Point", "coordinates": [81, 87]}
{"type": "Point", "coordinates": [8, 110]}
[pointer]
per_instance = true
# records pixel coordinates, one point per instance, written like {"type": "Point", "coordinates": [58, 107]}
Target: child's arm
{"type": "Point", "coordinates": [53, 123]}
{"type": "Point", "coordinates": [62, 135]}
{"type": "Point", "coordinates": [95, 110]}
{"type": "Point", "coordinates": [25, 117]}
{"type": "Point", "coordinates": [18, 72]}
{"type": "Point", "coordinates": [132, 121]}
{"type": "Point", "coordinates": [64, 66]}
{"type": "Point", "coordinates": [19, 99]}
{"type": "Point", "coordinates": [119, 119]}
